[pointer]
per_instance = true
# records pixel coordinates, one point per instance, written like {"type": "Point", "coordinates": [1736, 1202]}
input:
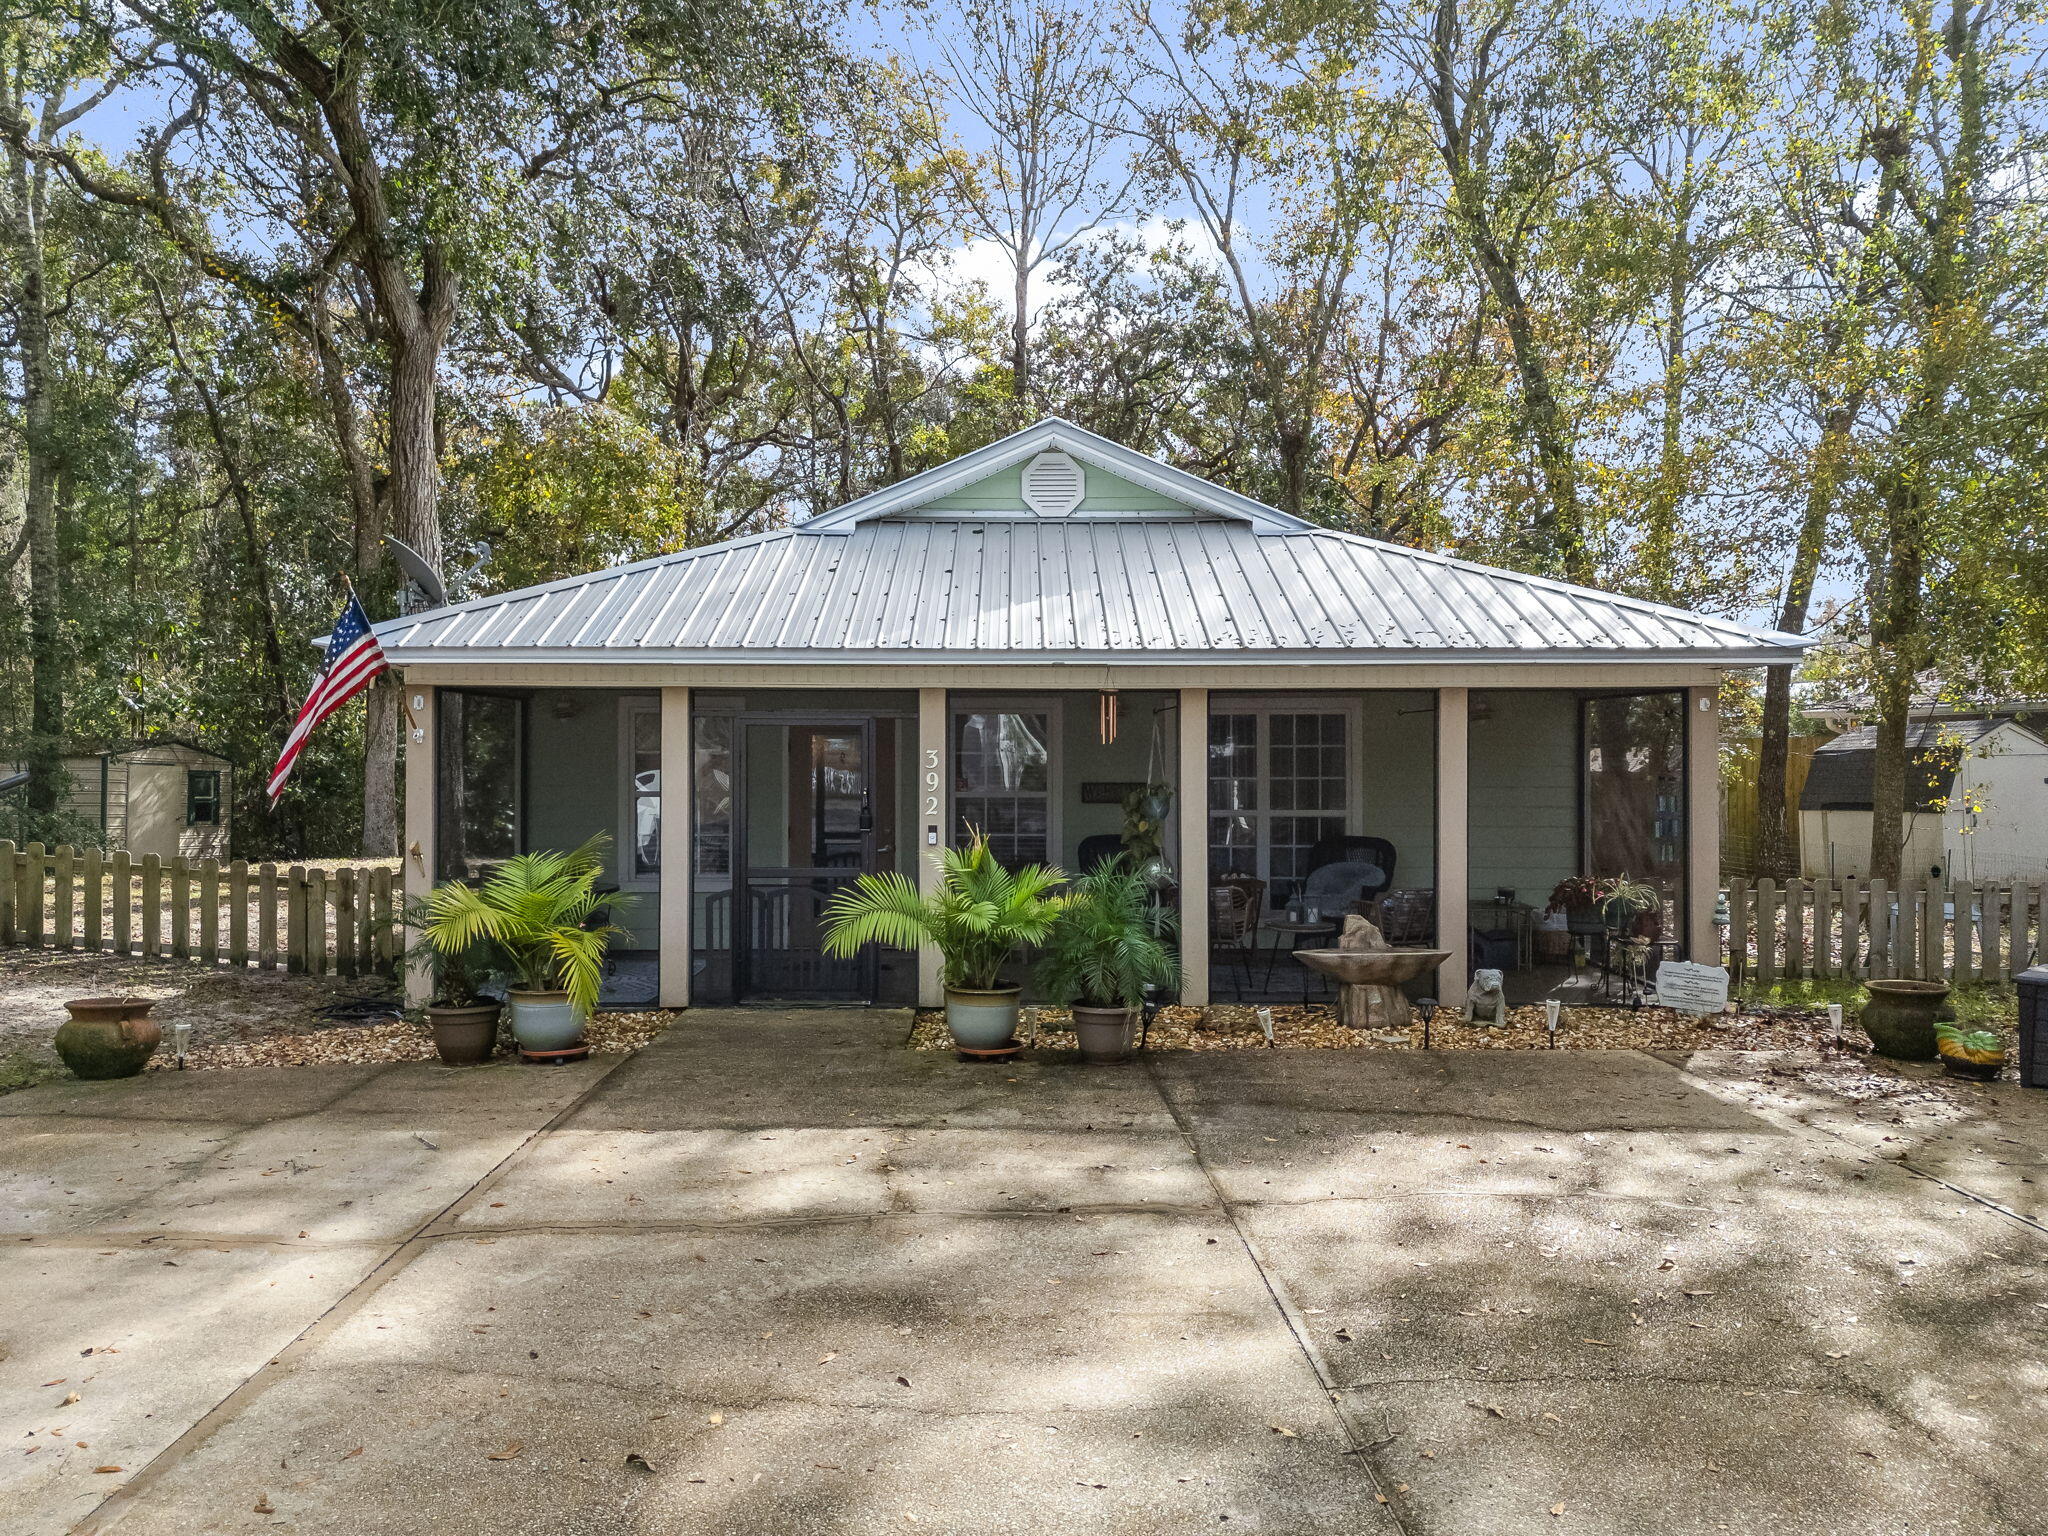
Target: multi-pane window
{"type": "Point", "coordinates": [1002, 777]}
{"type": "Point", "coordinates": [202, 797]}
{"type": "Point", "coordinates": [643, 788]}
{"type": "Point", "coordinates": [1278, 785]}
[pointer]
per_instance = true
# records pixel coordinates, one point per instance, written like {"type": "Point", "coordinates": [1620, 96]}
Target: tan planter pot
{"type": "Point", "coordinates": [1106, 1035]}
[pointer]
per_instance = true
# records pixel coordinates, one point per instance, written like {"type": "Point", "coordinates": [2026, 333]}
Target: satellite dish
{"type": "Point", "coordinates": [419, 573]}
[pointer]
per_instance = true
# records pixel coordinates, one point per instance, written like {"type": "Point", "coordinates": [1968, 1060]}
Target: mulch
{"type": "Point", "coordinates": [609, 1034]}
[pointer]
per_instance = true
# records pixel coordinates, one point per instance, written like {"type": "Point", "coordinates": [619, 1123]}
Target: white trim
{"type": "Point", "coordinates": [672, 928]}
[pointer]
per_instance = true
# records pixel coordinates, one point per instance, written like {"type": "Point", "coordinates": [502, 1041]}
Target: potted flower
{"type": "Point", "coordinates": [1978, 1053]}
{"type": "Point", "coordinates": [1107, 945]}
{"type": "Point", "coordinates": [1579, 898]}
{"type": "Point", "coordinates": [539, 912]}
{"type": "Point", "coordinates": [978, 918]}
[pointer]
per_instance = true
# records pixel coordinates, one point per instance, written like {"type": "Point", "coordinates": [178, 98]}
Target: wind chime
{"type": "Point", "coordinates": [1107, 715]}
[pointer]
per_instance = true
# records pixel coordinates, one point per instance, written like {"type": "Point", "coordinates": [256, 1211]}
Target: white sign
{"type": "Point", "coordinates": [1692, 988]}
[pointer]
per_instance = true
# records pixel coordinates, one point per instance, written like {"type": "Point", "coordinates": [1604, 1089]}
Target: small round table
{"type": "Point", "coordinates": [1294, 932]}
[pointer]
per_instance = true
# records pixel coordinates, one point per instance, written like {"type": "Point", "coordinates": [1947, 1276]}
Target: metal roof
{"type": "Point", "coordinates": [995, 590]}
{"type": "Point", "coordinates": [1842, 771]}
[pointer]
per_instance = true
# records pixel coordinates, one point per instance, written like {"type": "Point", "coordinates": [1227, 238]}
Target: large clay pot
{"type": "Point", "coordinates": [983, 1021]}
{"type": "Point", "coordinates": [1899, 1018]}
{"type": "Point", "coordinates": [544, 1021]}
{"type": "Point", "coordinates": [1106, 1034]}
{"type": "Point", "coordinates": [464, 1036]}
{"type": "Point", "coordinates": [108, 1036]}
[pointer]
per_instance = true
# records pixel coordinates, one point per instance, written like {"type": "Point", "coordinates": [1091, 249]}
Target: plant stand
{"type": "Point", "coordinates": [580, 1052]}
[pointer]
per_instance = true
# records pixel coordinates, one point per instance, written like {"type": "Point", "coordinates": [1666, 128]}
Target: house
{"type": "Point", "coordinates": [1015, 640]}
{"type": "Point", "coordinates": [162, 796]}
{"type": "Point", "coordinates": [1976, 801]}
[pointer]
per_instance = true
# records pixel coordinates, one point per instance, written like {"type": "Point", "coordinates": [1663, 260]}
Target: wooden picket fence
{"type": "Point", "coordinates": [298, 918]}
{"type": "Point", "coordinates": [1861, 929]}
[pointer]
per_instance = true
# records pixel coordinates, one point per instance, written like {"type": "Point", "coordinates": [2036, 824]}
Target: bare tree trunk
{"type": "Point", "coordinates": [44, 755]}
{"type": "Point", "coordinates": [1020, 333]}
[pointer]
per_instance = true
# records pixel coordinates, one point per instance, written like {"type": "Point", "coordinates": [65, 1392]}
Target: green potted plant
{"type": "Point", "coordinates": [1978, 1053]}
{"type": "Point", "coordinates": [463, 1018]}
{"type": "Point", "coordinates": [978, 918]}
{"type": "Point", "coordinates": [1107, 945]}
{"type": "Point", "coordinates": [538, 912]}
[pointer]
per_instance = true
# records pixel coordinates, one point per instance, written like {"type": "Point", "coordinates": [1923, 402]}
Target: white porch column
{"type": "Point", "coordinates": [1191, 797]}
{"type": "Point", "coordinates": [1702, 822]}
{"type": "Point", "coordinates": [416, 858]}
{"type": "Point", "coordinates": [1453, 842]}
{"type": "Point", "coordinates": [929, 829]}
{"type": "Point", "coordinates": [678, 810]}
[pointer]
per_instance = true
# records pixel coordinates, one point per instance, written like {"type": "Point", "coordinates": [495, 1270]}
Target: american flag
{"type": "Point", "coordinates": [352, 663]}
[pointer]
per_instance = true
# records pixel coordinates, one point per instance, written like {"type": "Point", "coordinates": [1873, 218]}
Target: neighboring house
{"type": "Point", "coordinates": [1012, 642]}
{"type": "Point", "coordinates": [164, 796]}
{"type": "Point", "coordinates": [1976, 802]}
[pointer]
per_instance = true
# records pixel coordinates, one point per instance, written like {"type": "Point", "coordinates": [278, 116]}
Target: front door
{"type": "Point", "coordinates": [807, 830]}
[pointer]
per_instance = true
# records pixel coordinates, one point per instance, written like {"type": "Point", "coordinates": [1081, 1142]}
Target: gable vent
{"type": "Point", "coordinates": [1053, 484]}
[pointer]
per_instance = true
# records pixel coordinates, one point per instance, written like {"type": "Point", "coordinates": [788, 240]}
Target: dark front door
{"type": "Point", "coordinates": [808, 829]}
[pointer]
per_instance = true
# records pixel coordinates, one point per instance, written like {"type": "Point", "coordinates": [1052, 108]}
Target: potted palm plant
{"type": "Point", "coordinates": [978, 918]}
{"type": "Point", "coordinates": [462, 1016]}
{"type": "Point", "coordinates": [539, 911]}
{"type": "Point", "coordinates": [1107, 945]}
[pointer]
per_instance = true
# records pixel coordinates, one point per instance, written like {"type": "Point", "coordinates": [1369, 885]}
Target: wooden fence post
{"type": "Point", "coordinates": [238, 913]}
{"type": "Point", "coordinates": [121, 903]}
{"type": "Point", "coordinates": [387, 923]}
{"type": "Point", "coordinates": [63, 933]}
{"type": "Point", "coordinates": [345, 922]}
{"type": "Point", "coordinates": [93, 887]}
{"type": "Point", "coordinates": [1934, 951]}
{"type": "Point", "coordinates": [1767, 933]}
{"type": "Point", "coordinates": [152, 907]}
{"type": "Point", "coordinates": [1795, 928]}
{"type": "Point", "coordinates": [266, 917]}
{"type": "Point", "coordinates": [1880, 966]}
{"type": "Point", "coordinates": [316, 921]}
{"type": "Point", "coordinates": [7, 885]}
{"type": "Point", "coordinates": [1738, 928]}
{"type": "Point", "coordinates": [295, 947]}
{"type": "Point", "coordinates": [1824, 928]}
{"type": "Point", "coordinates": [181, 908]}
{"type": "Point", "coordinates": [209, 911]}
{"type": "Point", "coordinates": [31, 899]}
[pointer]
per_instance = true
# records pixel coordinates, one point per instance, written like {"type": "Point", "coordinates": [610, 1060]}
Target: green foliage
{"type": "Point", "coordinates": [1108, 943]}
{"type": "Point", "coordinates": [536, 912]}
{"type": "Point", "coordinates": [980, 916]}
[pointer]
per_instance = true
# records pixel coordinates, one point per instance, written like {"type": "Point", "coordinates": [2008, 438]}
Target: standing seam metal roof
{"type": "Point", "coordinates": [1006, 589]}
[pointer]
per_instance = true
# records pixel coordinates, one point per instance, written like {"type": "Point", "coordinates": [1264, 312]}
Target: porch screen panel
{"type": "Point", "coordinates": [477, 793]}
{"type": "Point", "coordinates": [1278, 785]}
{"type": "Point", "coordinates": [1635, 794]}
{"type": "Point", "coordinates": [711, 808]}
{"type": "Point", "coordinates": [1002, 767]}
{"type": "Point", "coordinates": [643, 788]}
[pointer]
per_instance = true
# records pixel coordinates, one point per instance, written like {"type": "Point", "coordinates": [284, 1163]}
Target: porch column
{"type": "Point", "coordinates": [1702, 822]}
{"type": "Point", "coordinates": [678, 810]}
{"type": "Point", "coordinates": [1453, 843]}
{"type": "Point", "coordinates": [930, 826]}
{"type": "Point", "coordinates": [1191, 795]}
{"type": "Point", "coordinates": [417, 859]}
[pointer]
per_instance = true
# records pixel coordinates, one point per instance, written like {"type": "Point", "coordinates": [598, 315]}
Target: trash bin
{"type": "Point", "coordinates": [2033, 987]}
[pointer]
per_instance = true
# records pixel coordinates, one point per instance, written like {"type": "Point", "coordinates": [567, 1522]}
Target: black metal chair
{"type": "Point", "coordinates": [1098, 849]}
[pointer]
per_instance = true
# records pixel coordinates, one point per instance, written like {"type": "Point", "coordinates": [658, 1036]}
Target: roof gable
{"type": "Point", "coordinates": [1122, 484]}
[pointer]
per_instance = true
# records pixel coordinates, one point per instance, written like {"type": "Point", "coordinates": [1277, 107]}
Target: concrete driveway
{"type": "Point", "coordinates": [773, 1276]}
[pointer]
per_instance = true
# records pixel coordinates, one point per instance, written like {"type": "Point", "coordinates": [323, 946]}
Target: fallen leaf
{"type": "Point", "coordinates": [1282, 1429]}
{"type": "Point", "coordinates": [109, 1469]}
{"type": "Point", "coordinates": [715, 1420]}
{"type": "Point", "coordinates": [830, 1354]}
{"type": "Point", "coordinates": [57, 1383]}
{"type": "Point", "coordinates": [635, 1459]}
{"type": "Point", "coordinates": [263, 1506]}
{"type": "Point", "coordinates": [506, 1454]}
{"type": "Point", "coordinates": [1557, 1509]}
{"type": "Point", "coordinates": [902, 1381]}
{"type": "Point", "coordinates": [69, 1399]}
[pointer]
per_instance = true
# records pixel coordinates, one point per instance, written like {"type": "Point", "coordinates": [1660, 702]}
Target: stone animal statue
{"type": "Point", "coordinates": [1486, 995]}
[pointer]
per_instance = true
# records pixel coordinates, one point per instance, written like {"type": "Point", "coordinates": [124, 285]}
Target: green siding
{"type": "Point", "coordinates": [1003, 491]}
{"type": "Point", "coordinates": [573, 785]}
{"type": "Point", "coordinates": [1524, 794]}
{"type": "Point", "coordinates": [1397, 772]}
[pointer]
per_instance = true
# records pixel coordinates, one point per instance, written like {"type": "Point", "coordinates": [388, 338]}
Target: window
{"type": "Point", "coordinates": [1002, 781]}
{"type": "Point", "coordinates": [642, 752]}
{"type": "Point", "coordinates": [202, 797]}
{"type": "Point", "coordinates": [1279, 784]}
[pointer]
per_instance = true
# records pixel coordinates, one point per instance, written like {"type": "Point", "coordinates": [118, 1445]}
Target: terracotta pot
{"type": "Point", "coordinates": [544, 1021]}
{"type": "Point", "coordinates": [1899, 1018]}
{"type": "Point", "coordinates": [464, 1036]}
{"type": "Point", "coordinates": [108, 1036]}
{"type": "Point", "coordinates": [982, 1020]}
{"type": "Point", "coordinates": [1106, 1034]}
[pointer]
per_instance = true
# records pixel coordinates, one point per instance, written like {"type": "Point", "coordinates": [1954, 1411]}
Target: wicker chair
{"type": "Point", "coordinates": [1236, 905]}
{"type": "Point", "coordinates": [1406, 919]}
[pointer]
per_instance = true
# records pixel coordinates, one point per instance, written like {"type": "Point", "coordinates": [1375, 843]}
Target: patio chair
{"type": "Point", "coordinates": [1356, 848]}
{"type": "Point", "coordinates": [1345, 886]}
{"type": "Point", "coordinates": [1406, 919]}
{"type": "Point", "coordinates": [1236, 904]}
{"type": "Point", "coordinates": [1099, 848]}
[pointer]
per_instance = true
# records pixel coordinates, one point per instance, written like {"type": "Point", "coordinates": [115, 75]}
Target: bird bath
{"type": "Point", "coordinates": [1369, 981]}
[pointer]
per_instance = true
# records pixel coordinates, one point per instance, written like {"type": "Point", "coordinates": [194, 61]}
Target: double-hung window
{"type": "Point", "coordinates": [1003, 773]}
